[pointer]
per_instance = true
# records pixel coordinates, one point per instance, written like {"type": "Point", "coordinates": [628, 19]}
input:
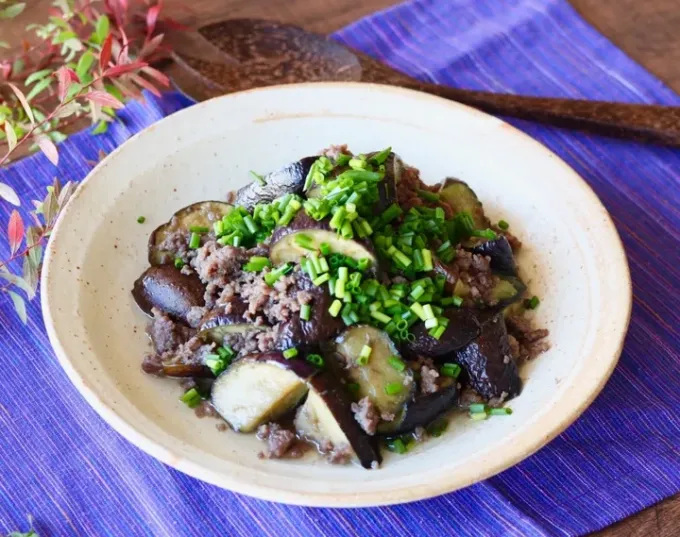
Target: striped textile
{"type": "Point", "coordinates": [76, 476]}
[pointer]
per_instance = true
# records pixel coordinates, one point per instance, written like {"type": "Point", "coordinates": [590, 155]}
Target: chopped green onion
{"type": "Point", "coordinates": [256, 264]}
{"type": "Point", "coordinates": [342, 159]}
{"type": "Point", "coordinates": [502, 224]}
{"type": "Point", "coordinates": [364, 355]}
{"type": "Point", "coordinates": [397, 363]}
{"type": "Point", "coordinates": [338, 218]}
{"type": "Point", "coordinates": [450, 370]}
{"type": "Point", "coordinates": [218, 228]}
{"type": "Point", "coordinates": [290, 353]}
{"type": "Point", "coordinates": [305, 312]}
{"type": "Point", "coordinates": [321, 279]}
{"type": "Point", "coordinates": [428, 196]}
{"type": "Point", "coordinates": [500, 411]}
{"type": "Point", "coordinates": [397, 446]}
{"type": "Point", "coordinates": [476, 408]}
{"type": "Point", "coordinates": [323, 264]}
{"type": "Point", "coordinates": [427, 260]}
{"type": "Point", "coordinates": [381, 157]}
{"type": "Point", "coordinates": [141, 219]}
{"type": "Point", "coordinates": [199, 229]}
{"type": "Point", "coordinates": [325, 248]}
{"type": "Point", "coordinates": [392, 212]}
{"type": "Point", "coordinates": [191, 398]}
{"type": "Point", "coordinates": [272, 277]}
{"type": "Point", "coordinates": [532, 303]}
{"type": "Point", "coordinates": [195, 241]}
{"type": "Point", "coordinates": [305, 241]}
{"type": "Point", "coordinates": [340, 288]}
{"type": "Point", "coordinates": [380, 317]}
{"type": "Point", "coordinates": [258, 178]}
{"type": "Point", "coordinates": [417, 292]}
{"type": "Point", "coordinates": [481, 416]}
{"type": "Point", "coordinates": [335, 308]}
{"type": "Point", "coordinates": [437, 332]}
{"type": "Point", "coordinates": [179, 262]}
{"type": "Point", "coordinates": [419, 311]}
{"type": "Point", "coordinates": [343, 273]}
{"type": "Point", "coordinates": [429, 313]}
{"type": "Point", "coordinates": [431, 323]}
{"type": "Point", "coordinates": [226, 352]}
{"type": "Point", "coordinates": [484, 233]}
{"type": "Point", "coordinates": [437, 428]}
{"type": "Point", "coordinates": [393, 388]}
{"type": "Point", "coordinates": [353, 387]}
{"type": "Point", "coordinates": [315, 359]}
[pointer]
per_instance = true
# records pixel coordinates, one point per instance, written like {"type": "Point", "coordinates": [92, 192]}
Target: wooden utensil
{"type": "Point", "coordinates": [240, 54]}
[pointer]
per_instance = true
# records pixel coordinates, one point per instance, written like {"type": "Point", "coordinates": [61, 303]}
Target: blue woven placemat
{"type": "Point", "coordinates": [76, 476]}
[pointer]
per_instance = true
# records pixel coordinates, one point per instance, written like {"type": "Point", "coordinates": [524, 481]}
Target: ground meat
{"type": "Point", "coordinates": [474, 271]}
{"type": "Point", "coordinates": [206, 410]}
{"type": "Point", "coordinates": [193, 352]}
{"type": "Point", "coordinates": [222, 427]}
{"type": "Point", "coordinates": [333, 151]}
{"type": "Point", "coordinates": [526, 341]}
{"type": "Point", "coordinates": [216, 265]}
{"type": "Point", "coordinates": [387, 416]}
{"type": "Point", "coordinates": [186, 270]}
{"type": "Point", "coordinates": [498, 401]}
{"type": "Point", "coordinates": [407, 193]}
{"type": "Point", "coordinates": [428, 379]}
{"type": "Point", "coordinates": [195, 315]}
{"type": "Point", "coordinates": [176, 242]}
{"type": "Point", "coordinates": [366, 415]}
{"type": "Point", "coordinates": [468, 396]}
{"type": "Point", "coordinates": [253, 341]}
{"type": "Point", "coordinates": [340, 455]}
{"type": "Point", "coordinates": [279, 440]}
{"type": "Point", "coordinates": [152, 363]}
{"type": "Point", "coordinates": [165, 333]}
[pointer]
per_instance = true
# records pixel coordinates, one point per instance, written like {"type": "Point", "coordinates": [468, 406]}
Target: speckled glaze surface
{"type": "Point", "coordinates": [573, 260]}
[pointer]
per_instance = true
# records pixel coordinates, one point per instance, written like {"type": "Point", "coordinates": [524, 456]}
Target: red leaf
{"type": "Point", "coordinates": [172, 24]}
{"type": "Point", "coordinates": [105, 53]}
{"type": "Point", "coordinates": [151, 45]}
{"type": "Point", "coordinates": [145, 84]}
{"type": "Point", "coordinates": [23, 101]}
{"type": "Point", "coordinates": [15, 231]}
{"type": "Point", "coordinates": [152, 18]}
{"type": "Point", "coordinates": [157, 76]}
{"type": "Point", "coordinates": [65, 76]}
{"type": "Point", "coordinates": [105, 99]}
{"type": "Point", "coordinates": [49, 149]}
{"type": "Point", "coordinates": [123, 69]}
{"type": "Point", "coordinates": [6, 70]}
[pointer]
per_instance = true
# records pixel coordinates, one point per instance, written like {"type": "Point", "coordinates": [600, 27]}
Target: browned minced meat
{"type": "Point", "coordinates": [216, 265]}
{"type": "Point", "coordinates": [366, 415]}
{"type": "Point", "coordinates": [164, 332]}
{"type": "Point", "coordinates": [468, 396]}
{"type": "Point", "coordinates": [195, 315]}
{"type": "Point", "coordinates": [526, 341]}
{"type": "Point", "coordinates": [407, 193]}
{"type": "Point", "coordinates": [336, 454]}
{"type": "Point", "coordinates": [428, 379]}
{"type": "Point", "coordinates": [206, 410]}
{"type": "Point", "coordinates": [177, 242]}
{"type": "Point", "coordinates": [279, 440]}
{"type": "Point", "coordinates": [222, 427]}
{"type": "Point", "coordinates": [333, 151]}
{"type": "Point", "coordinates": [253, 341]}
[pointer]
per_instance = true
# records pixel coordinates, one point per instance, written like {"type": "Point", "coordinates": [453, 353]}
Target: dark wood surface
{"type": "Point", "coordinates": [648, 30]}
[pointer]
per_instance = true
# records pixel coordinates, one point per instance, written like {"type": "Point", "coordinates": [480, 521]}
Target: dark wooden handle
{"type": "Point", "coordinates": [644, 123]}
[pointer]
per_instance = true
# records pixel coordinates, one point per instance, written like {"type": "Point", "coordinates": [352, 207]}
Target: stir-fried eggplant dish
{"type": "Point", "coordinates": [339, 304]}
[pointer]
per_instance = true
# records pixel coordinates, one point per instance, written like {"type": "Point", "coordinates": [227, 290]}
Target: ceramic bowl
{"type": "Point", "coordinates": [572, 258]}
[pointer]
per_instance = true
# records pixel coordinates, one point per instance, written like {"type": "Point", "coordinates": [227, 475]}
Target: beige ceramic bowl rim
{"type": "Point", "coordinates": [536, 436]}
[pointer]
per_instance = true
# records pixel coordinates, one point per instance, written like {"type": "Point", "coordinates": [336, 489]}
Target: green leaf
{"type": "Point", "coordinates": [11, 135]}
{"type": "Point", "coordinates": [101, 29]}
{"type": "Point", "coordinates": [31, 275]}
{"type": "Point", "coordinates": [84, 63]}
{"type": "Point", "coordinates": [101, 127]}
{"type": "Point", "coordinates": [18, 66]}
{"type": "Point", "coordinates": [18, 281]}
{"type": "Point", "coordinates": [19, 306]}
{"type": "Point", "coordinates": [4, 44]}
{"type": "Point", "coordinates": [38, 75]}
{"type": "Point", "coordinates": [12, 11]}
{"type": "Point", "coordinates": [58, 21]}
{"type": "Point", "coordinates": [113, 90]}
{"type": "Point", "coordinates": [41, 86]}
{"type": "Point", "coordinates": [50, 207]}
{"type": "Point", "coordinates": [73, 90]}
{"type": "Point", "coordinates": [57, 136]}
{"type": "Point", "coordinates": [64, 36]}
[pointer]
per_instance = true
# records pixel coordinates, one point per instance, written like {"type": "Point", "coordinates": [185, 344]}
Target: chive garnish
{"type": "Point", "coordinates": [531, 303]}
{"type": "Point", "coordinates": [290, 353]}
{"type": "Point", "coordinates": [502, 224]}
{"type": "Point", "coordinates": [260, 179]}
{"type": "Point", "coordinates": [191, 398]}
{"type": "Point", "coordinates": [428, 196]}
{"type": "Point", "coordinates": [397, 363]}
{"type": "Point", "coordinates": [315, 359]}
{"type": "Point", "coordinates": [195, 241]}
{"type": "Point", "coordinates": [141, 219]}
{"type": "Point", "coordinates": [179, 262]}
{"type": "Point", "coordinates": [199, 229]}
{"type": "Point", "coordinates": [393, 388]}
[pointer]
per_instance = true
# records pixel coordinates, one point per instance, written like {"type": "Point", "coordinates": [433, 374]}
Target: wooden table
{"type": "Point", "coordinates": [647, 30]}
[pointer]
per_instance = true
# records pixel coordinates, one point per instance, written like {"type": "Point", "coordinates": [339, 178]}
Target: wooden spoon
{"type": "Point", "coordinates": [240, 54]}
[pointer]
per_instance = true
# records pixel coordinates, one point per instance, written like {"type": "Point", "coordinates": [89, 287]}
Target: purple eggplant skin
{"type": "Point", "coordinates": [500, 252]}
{"type": "Point", "coordinates": [166, 288]}
{"type": "Point", "coordinates": [387, 188]}
{"type": "Point", "coordinates": [303, 369]}
{"type": "Point", "coordinates": [320, 327]}
{"type": "Point", "coordinates": [287, 180]}
{"type": "Point", "coordinates": [488, 362]}
{"type": "Point", "coordinates": [423, 410]}
{"type": "Point", "coordinates": [338, 402]}
{"type": "Point", "coordinates": [463, 328]}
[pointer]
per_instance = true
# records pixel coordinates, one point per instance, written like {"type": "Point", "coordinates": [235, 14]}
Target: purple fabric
{"type": "Point", "coordinates": [67, 468]}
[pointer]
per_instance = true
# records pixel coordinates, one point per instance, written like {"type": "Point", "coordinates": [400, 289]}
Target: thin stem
{"type": "Point", "coordinates": [25, 251]}
{"type": "Point", "coordinates": [54, 112]}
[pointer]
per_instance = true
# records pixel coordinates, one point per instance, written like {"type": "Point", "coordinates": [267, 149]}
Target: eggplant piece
{"type": "Point", "coordinates": [288, 180]}
{"type": "Point", "coordinates": [387, 188]}
{"type": "Point", "coordinates": [201, 214]}
{"type": "Point", "coordinates": [463, 327]}
{"type": "Point", "coordinates": [320, 327]}
{"type": "Point", "coordinates": [284, 248]}
{"type": "Point", "coordinates": [378, 373]}
{"type": "Point", "coordinates": [218, 324]}
{"type": "Point", "coordinates": [422, 411]}
{"type": "Point", "coordinates": [260, 388]}
{"type": "Point", "coordinates": [186, 370]}
{"type": "Point", "coordinates": [500, 252]}
{"type": "Point", "coordinates": [166, 288]}
{"type": "Point", "coordinates": [327, 420]}
{"type": "Point", "coordinates": [507, 291]}
{"type": "Point", "coordinates": [461, 197]}
{"type": "Point", "coordinates": [488, 361]}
